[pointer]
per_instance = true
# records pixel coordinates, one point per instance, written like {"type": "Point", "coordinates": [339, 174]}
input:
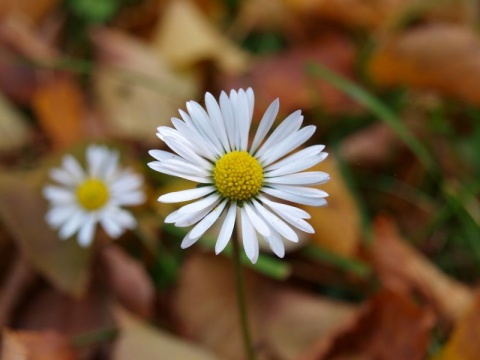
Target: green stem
{"type": "Point", "coordinates": [241, 299]}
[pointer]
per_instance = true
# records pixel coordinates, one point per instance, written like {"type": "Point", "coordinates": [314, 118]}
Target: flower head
{"type": "Point", "coordinates": [83, 198]}
{"type": "Point", "coordinates": [240, 182]}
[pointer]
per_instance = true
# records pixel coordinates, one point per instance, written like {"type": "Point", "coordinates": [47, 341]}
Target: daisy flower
{"type": "Point", "coordinates": [83, 198]}
{"type": "Point", "coordinates": [240, 182]}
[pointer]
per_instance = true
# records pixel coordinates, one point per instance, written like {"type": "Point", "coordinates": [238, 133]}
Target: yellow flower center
{"type": "Point", "coordinates": [238, 175]}
{"type": "Point", "coordinates": [92, 194]}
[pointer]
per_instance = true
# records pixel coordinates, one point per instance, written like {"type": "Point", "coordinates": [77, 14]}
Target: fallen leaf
{"type": "Point", "coordinates": [388, 326]}
{"type": "Point", "coordinates": [337, 225]}
{"type": "Point", "coordinates": [18, 42]}
{"type": "Point", "coordinates": [185, 37]}
{"type": "Point", "coordinates": [404, 270]}
{"type": "Point", "coordinates": [205, 310]}
{"type": "Point", "coordinates": [441, 57]}
{"type": "Point", "coordinates": [381, 14]}
{"type": "Point", "coordinates": [14, 128]}
{"type": "Point", "coordinates": [22, 210]}
{"type": "Point", "coordinates": [463, 343]}
{"type": "Point", "coordinates": [129, 281]}
{"type": "Point", "coordinates": [139, 340]}
{"type": "Point", "coordinates": [285, 76]}
{"type": "Point", "coordinates": [36, 345]}
{"type": "Point", "coordinates": [137, 92]}
{"type": "Point", "coordinates": [59, 106]}
{"type": "Point", "coordinates": [34, 11]}
{"type": "Point", "coordinates": [371, 146]}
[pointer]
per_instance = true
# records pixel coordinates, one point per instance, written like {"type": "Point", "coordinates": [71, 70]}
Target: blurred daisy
{"type": "Point", "coordinates": [84, 198]}
{"type": "Point", "coordinates": [238, 182]}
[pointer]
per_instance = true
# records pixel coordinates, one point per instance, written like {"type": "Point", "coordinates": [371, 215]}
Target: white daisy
{"type": "Point", "coordinates": [238, 182]}
{"type": "Point", "coordinates": [84, 198]}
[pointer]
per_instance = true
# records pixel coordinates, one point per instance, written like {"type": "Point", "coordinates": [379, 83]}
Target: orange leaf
{"type": "Point", "coordinates": [129, 281]}
{"type": "Point", "coordinates": [402, 269]}
{"type": "Point", "coordinates": [283, 321]}
{"type": "Point", "coordinates": [463, 343]}
{"type": "Point", "coordinates": [284, 76]}
{"type": "Point", "coordinates": [388, 326]}
{"type": "Point", "coordinates": [337, 225]}
{"type": "Point", "coordinates": [441, 57]}
{"type": "Point", "coordinates": [59, 107]}
{"type": "Point", "coordinates": [36, 345]}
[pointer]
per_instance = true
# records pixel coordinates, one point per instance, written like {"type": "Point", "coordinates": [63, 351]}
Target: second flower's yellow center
{"type": "Point", "coordinates": [238, 175]}
{"type": "Point", "coordinates": [92, 194]}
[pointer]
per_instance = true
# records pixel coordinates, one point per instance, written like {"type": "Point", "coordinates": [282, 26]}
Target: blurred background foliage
{"type": "Point", "coordinates": [393, 87]}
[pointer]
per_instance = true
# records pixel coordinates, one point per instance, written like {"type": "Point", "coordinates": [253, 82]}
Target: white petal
{"type": "Point", "coordinates": [305, 200]}
{"type": "Point", "coordinates": [193, 137]}
{"type": "Point", "coordinates": [186, 195]}
{"type": "Point", "coordinates": [110, 224]}
{"type": "Point", "coordinates": [59, 214]}
{"type": "Point", "coordinates": [228, 118]}
{"type": "Point", "coordinates": [126, 181]}
{"type": "Point", "coordinates": [188, 241]}
{"type": "Point", "coordinates": [292, 210]}
{"type": "Point", "coordinates": [194, 126]}
{"type": "Point", "coordinates": [303, 154]}
{"type": "Point", "coordinates": [287, 145]}
{"type": "Point", "coordinates": [96, 156]}
{"type": "Point", "coordinates": [132, 198]}
{"type": "Point", "coordinates": [305, 178]}
{"type": "Point", "coordinates": [207, 221]}
{"type": "Point", "coordinates": [72, 224]}
{"type": "Point", "coordinates": [276, 244]}
{"type": "Point", "coordinates": [291, 215]}
{"type": "Point", "coordinates": [198, 205]}
{"type": "Point", "coordinates": [86, 233]}
{"type": "Point", "coordinates": [73, 167]}
{"type": "Point", "coordinates": [276, 223]}
{"type": "Point", "coordinates": [250, 241]}
{"type": "Point", "coordinates": [59, 195]}
{"type": "Point", "coordinates": [63, 177]}
{"type": "Point", "coordinates": [241, 111]}
{"type": "Point", "coordinates": [256, 220]}
{"type": "Point", "coordinates": [294, 167]}
{"type": "Point", "coordinates": [287, 127]}
{"type": "Point", "coordinates": [216, 116]}
{"type": "Point", "coordinates": [171, 169]}
{"type": "Point", "coordinates": [265, 125]}
{"type": "Point", "coordinates": [187, 153]}
{"type": "Point", "coordinates": [202, 121]}
{"type": "Point", "coordinates": [301, 190]}
{"type": "Point", "coordinates": [227, 228]}
{"type": "Point", "coordinates": [251, 102]}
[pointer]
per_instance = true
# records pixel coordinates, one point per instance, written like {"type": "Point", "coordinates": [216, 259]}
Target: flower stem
{"type": "Point", "coordinates": [241, 300]}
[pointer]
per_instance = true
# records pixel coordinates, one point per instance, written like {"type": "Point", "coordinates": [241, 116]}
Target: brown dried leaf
{"type": "Point", "coordinates": [14, 129]}
{"type": "Point", "coordinates": [389, 326]}
{"type": "Point", "coordinates": [402, 269]}
{"type": "Point", "coordinates": [22, 210]}
{"type": "Point", "coordinates": [442, 57]}
{"type": "Point", "coordinates": [185, 37]}
{"type": "Point", "coordinates": [34, 11]}
{"type": "Point", "coordinates": [59, 105]}
{"type": "Point", "coordinates": [139, 340]}
{"type": "Point", "coordinates": [129, 281]}
{"type": "Point", "coordinates": [463, 343]}
{"type": "Point", "coordinates": [285, 76]}
{"type": "Point", "coordinates": [274, 310]}
{"type": "Point", "coordinates": [337, 226]}
{"type": "Point", "coordinates": [36, 345]}
{"type": "Point", "coordinates": [371, 146]}
{"type": "Point", "coordinates": [136, 90]}
{"type": "Point", "coordinates": [383, 14]}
